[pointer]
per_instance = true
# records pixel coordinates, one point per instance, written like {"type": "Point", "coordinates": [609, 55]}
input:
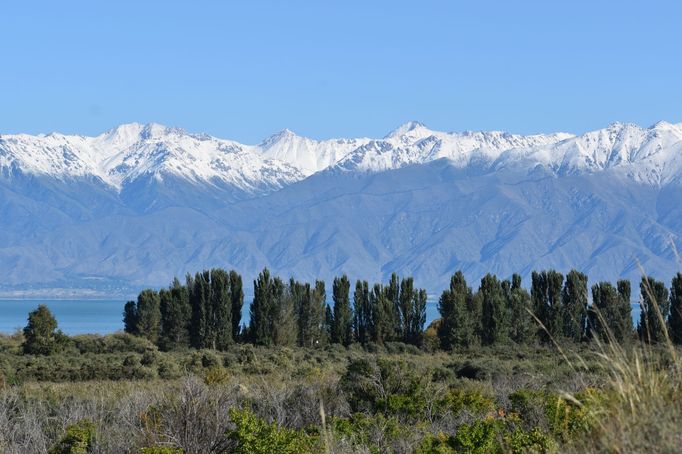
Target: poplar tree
{"type": "Point", "coordinates": [262, 311]}
{"type": "Point", "coordinates": [546, 287]}
{"type": "Point", "coordinates": [609, 317]}
{"type": "Point", "coordinates": [655, 308]}
{"type": "Point", "coordinates": [675, 319]}
{"type": "Point", "coordinates": [310, 308]}
{"type": "Point", "coordinates": [417, 318]}
{"type": "Point", "coordinates": [148, 315]}
{"type": "Point", "coordinates": [457, 327]}
{"type": "Point", "coordinates": [364, 320]}
{"type": "Point", "coordinates": [495, 318]}
{"type": "Point", "coordinates": [383, 314]}
{"type": "Point", "coordinates": [574, 306]}
{"type": "Point", "coordinates": [200, 301]}
{"type": "Point", "coordinates": [220, 324]}
{"type": "Point", "coordinates": [283, 321]}
{"type": "Point", "coordinates": [175, 316]}
{"type": "Point", "coordinates": [130, 318]}
{"type": "Point", "coordinates": [405, 309]}
{"type": "Point", "coordinates": [237, 295]}
{"type": "Point", "coordinates": [342, 326]}
{"type": "Point", "coordinates": [319, 311]}
{"type": "Point", "coordinates": [624, 329]}
{"type": "Point", "coordinates": [522, 327]}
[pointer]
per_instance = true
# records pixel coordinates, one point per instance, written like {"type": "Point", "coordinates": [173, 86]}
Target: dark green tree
{"type": "Point", "coordinates": [392, 293]}
{"type": "Point", "coordinates": [262, 309]}
{"type": "Point", "coordinates": [130, 318]}
{"type": "Point", "coordinates": [574, 306]}
{"type": "Point", "coordinates": [675, 319]}
{"type": "Point", "coordinates": [457, 328]}
{"type": "Point", "coordinates": [342, 326]}
{"type": "Point", "coordinates": [609, 317]}
{"type": "Point", "coordinates": [328, 324]}
{"type": "Point", "coordinates": [237, 294]}
{"type": "Point", "coordinates": [624, 329]}
{"type": "Point", "coordinates": [175, 316]}
{"type": "Point", "coordinates": [417, 318]}
{"type": "Point", "coordinates": [310, 308]}
{"type": "Point", "coordinates": [522, 327]}
{"type": "Point", "coordinates": [383, 314]}
{"type": "Point", "coordinates": [202, 311]}
{"type": "Point", "coordinates": [655, 309]}
{"type": "Point", "coordinates": [364, 321]}
{"type": "Point", "coordinates": [406, 300]}
{"type": "Point", "coordinates": [284, 317]}
{"type": "Point", "coordinates": [41, 336]}
{"type": "Point", "coordinates": [149, 315]}
{"type": "Point", "coordinates": [546, 287]}
{"type": "Point", "coordinates": [220, 325]}
{"type": "Point", "coordinates": [495, 317]}
{"type": "Point", "coordinates": [273, 317]}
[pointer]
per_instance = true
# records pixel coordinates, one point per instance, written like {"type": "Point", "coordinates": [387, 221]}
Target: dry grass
{"type": "Point", "coordinates": [640, 407]}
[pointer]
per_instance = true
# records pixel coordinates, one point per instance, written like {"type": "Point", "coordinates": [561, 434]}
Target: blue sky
{"type": "Point", "coordinates": [244, 70]}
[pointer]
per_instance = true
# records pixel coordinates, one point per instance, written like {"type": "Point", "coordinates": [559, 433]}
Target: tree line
{"type": "Point", "coordinates": [556, 309]}
{"type": "Point", "coordinates": [205, 311]}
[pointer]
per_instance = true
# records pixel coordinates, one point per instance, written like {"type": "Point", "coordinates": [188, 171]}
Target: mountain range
{"type": "Point", "coordinates": [139, 204]}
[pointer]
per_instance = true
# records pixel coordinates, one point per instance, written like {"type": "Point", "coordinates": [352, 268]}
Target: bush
{"type": "Point", "coordinates": [168, 369]}
{"type": "Point", "coordinates": [252, 435]}
{"type": "Point", "coordinates": [78, 439]}
{"type": "Point", "coordinates": [473, 401]}
{"type": "Point", "coordinates": [112, 343]}
{"type": "Point", "coordinates": [477, 437]}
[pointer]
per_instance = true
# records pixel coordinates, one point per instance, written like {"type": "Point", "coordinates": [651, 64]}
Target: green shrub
{"type": "Point", "coordinates": [216, 375]}
{"type": "Point", "coordinates": [477, 437]}
{"type": "Point", "coordinates": [566, 418]}
{"type": "Point", "coordinates": [168, 369]}
{"type": "Point", "coordinates": [78, 439]}
{"type": "Point", "coordinates": [436, 444]}
{"type": "Point", "coordinates": [252, 435]}
{"type": "Point", "coordinates": [520, 441]}
{"type": "Point", "coordinates": [391, 386]}
{"type": "Point", "coordinates": [457, 400]}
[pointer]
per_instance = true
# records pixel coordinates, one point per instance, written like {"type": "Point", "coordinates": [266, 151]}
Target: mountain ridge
{"type": "Point", "coordinates": [139, 204]}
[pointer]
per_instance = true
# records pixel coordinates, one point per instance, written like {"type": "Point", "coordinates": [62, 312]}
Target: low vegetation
{"type": "Point", "coordinates": [503, 370]}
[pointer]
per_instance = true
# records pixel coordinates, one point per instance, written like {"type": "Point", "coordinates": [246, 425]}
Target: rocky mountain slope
{"type": "Point", "coordinates": [141, 203]}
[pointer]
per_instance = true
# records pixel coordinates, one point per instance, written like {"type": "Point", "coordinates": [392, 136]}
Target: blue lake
{"type": "Point", "coordinates": [106, 316]}
{"type": "Point", "coordinates": [73, 316]}
{"type": "Point", "coordinates": [92, 316]}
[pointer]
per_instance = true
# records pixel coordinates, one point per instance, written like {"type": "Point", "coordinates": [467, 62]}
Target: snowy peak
{"type": "Point", "coordinates": [411, 128]}
{"type": "Point", "coordinates": [131, 151]}
{"type": "Point", "coordinates": [307, 155]}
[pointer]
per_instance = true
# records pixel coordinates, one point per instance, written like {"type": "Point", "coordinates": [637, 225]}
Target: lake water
{"type": "Point", "coordinates": [106, 316]}
{"type": "Point", "coordinates": [92, 316]}
{"type": "Point", "coordinates": [73, 316]}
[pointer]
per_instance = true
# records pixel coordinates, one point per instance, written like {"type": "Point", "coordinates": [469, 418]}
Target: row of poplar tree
{"type": "Point", "coordinates": [556, 309]}
{"type": "Point", "coordinates": [206, 312]}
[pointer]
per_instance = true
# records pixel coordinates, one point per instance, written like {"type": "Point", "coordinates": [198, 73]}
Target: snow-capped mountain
{"type": "Point", "coordinates": [126, 153]}
{"type": "Point", "coordinates": [141, 203]}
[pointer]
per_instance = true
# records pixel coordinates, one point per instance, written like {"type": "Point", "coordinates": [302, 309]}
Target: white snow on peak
{"type": "Point", "coordinates": [411, 128]}
{"type": "Point", "coordinates": [307, 155]}
{"type": "Point", "coordinates": [130, 151]}
{"type": "Point", "coordinates": [121, 155]}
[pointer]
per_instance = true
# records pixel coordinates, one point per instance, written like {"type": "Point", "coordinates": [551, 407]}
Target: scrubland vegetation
{"type": "Point", "coordinates": [502, 370]}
